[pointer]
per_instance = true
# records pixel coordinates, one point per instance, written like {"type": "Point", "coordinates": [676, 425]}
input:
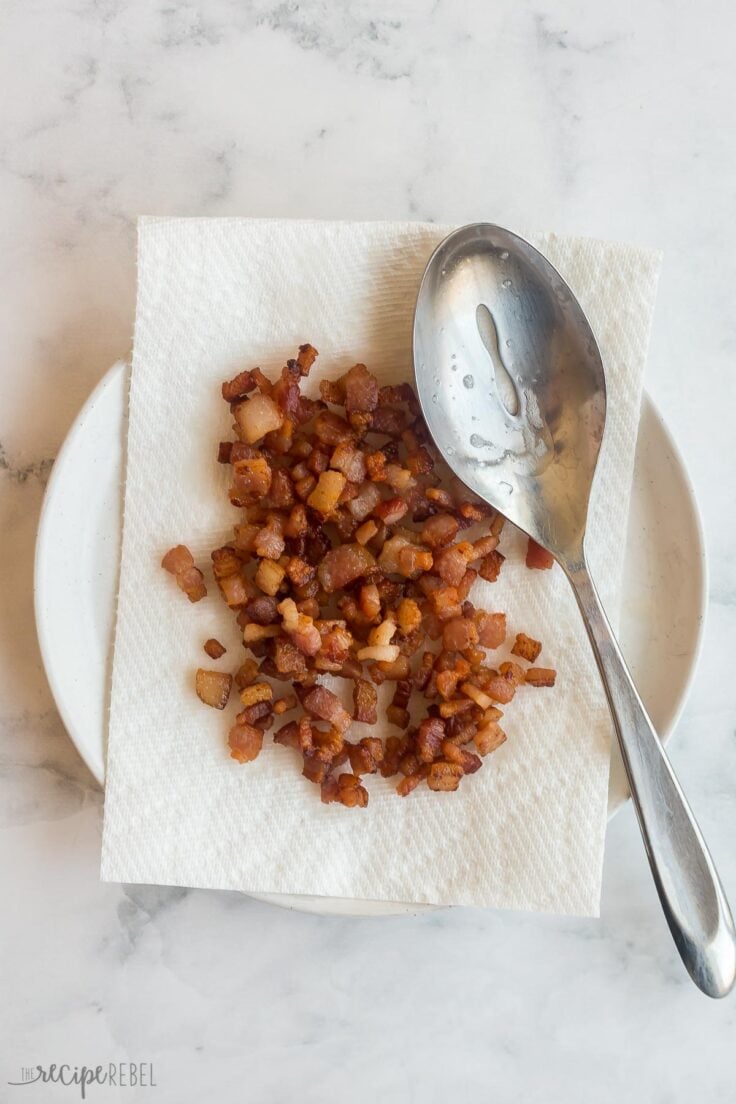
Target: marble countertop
{"type": "Point", "coordinates": [591, 119]}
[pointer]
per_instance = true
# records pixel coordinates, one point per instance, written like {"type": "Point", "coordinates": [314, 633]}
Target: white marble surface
{"type": "Point", "coordinates": [611, 120]}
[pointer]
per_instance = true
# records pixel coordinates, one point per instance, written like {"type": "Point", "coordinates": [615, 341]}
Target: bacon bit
{"type": "Point", "coordinates": [512, 672]}
{"type": "Point", "coordinates": [365, 532]}
{"type": "Point", "coordinates": [257, 692]}
{"type": "Point", "coordinates": [246, 673]}
{"type": "Point", "coordinates": [538, 557]}
{"type": "Point", "coordinates": [451, 564]}
{"type": "Point", "coordinates": [370, 605]}
{"type": "Point", "coordinates": [269, 542]}
{"type": "Point", "coordinates": [322, 703]}
{"type": "Point", "coordinates": [365, 756]}
{"type": "Point", "coordinates": [269, 576]}
{"type": "Point", "coordinates": [253, 634]}
{"type": "Point", "coordinates": [179, 562]}
{"type": "Point", "coordinates": [251, 481]}
{"type": "Point", "coordinates": [239, 386]}
{"type": "Point", "coordinates": [306, 358]}
{"type": "Point", "coordinates": [361, 390]}
{"type": "Point", "coordinates": [410, 781]}
{"type": "Point", "coordinates": [408, 615]}
{"type": "Point", "coordinates": [245, 742]}
{"type": "Point", "coordinates": [490, 566]}
{"type": "Point", "coordinates": [214, 648]}
{"type": "Point", "coordinates": [459, 634]}
{"type": "Point", "coordinates": [469, 762]}
{"type": "Point", "coordinates": [342, 566]}
{"type": "Point", "coordinates": [419, 462]}
{"type": "Point", "coordinates": [283, 705]}
{"type": "Point", "coordinates": [488, 738]}
{"type": "Point", "coordinates": [213, 687]}
{"type": "Point", "coordinates": [526, 647]}
{"type": "Point", "coordinates": [288, 735]}
{"type": "Point", "coordinates": [540, 676]}
{"type": "Point", "coordinates": [332, 391]}
{"type": "Point", "coordinates": [381, 653]}
{"type": "Point", "coordinates": [331, 428]}
{"type": "Point", "coordinates": [365, 700]}
{"type": "Point", "coordinates": [300, 628]}
{"type": "Point", "coordinates": [429, 737]}
{"type": "Point", "coordinates": [476, 695]}
{"type": "Point", "coordinates": [444, 777]}
{"type": "Point", "coordinates": [500, 689]}
{"type": "Point", "coordinates": [491, 628]}
{"type": "Point", "coordinates": [257, 416]}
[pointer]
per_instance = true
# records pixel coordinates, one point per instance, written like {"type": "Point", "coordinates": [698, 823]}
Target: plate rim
{"type": "Point", "coordinates": [55, 479]}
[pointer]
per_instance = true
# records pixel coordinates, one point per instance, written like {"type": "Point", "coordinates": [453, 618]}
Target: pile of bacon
{"type": "Point", "coordinates": [349, 559]}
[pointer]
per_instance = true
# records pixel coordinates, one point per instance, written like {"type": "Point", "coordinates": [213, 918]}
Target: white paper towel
{"type": "Point", "coordinates": [527, 831]}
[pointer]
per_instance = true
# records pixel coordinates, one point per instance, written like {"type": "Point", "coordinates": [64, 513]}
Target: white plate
{"type": "Point", "coordinates": [76, 574]}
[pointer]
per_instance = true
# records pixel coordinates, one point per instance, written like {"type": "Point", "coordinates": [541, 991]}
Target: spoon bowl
{"type": "Point", "coordinates": [511, 382]}
{"type": "Point", "coordinates": [512, 388]}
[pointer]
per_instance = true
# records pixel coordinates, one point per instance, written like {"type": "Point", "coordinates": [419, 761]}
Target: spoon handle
{"type": "Point", "coordinates": [689, 888]}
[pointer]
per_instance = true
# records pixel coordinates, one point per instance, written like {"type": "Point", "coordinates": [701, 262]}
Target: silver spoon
{"type": "Point", "coordinates": [512, 387]}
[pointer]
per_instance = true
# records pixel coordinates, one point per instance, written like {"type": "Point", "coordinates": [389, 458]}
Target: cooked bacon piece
{"type": "Point", "coordinates": [316, 768]}
{"type": "Point", "coordinates": [370, 605]}
{"type": "Point", "coordinates": [382, 653]}
{"type": "Point", "coordinates": [239, 386]}
{"type": "Point", "coordinates": [451, 564]}
{"type": "Point", "coordinates": [331, 428]}
{"type": "Point", "coordinates": [245, 742]}
{"type": "Point", "coordinates": [289, 661]}
{"type": "Point", "coordinates": [488, 738]}
{"type": "Point", "coordinates": [306, 358]}
{"type": "Point", "coordinates": [349, 460]}
{"type": "Point", "coordinates": [288, 735]}
{"type": "Point", "coordinates": [444, 776]}
{"type": "Point", "coordinates": [361, 390]}
{"type": "Point", "coordinates": [257, 416]}
{"type": "Point", "coordinates": [251, 481]}
{"type": "Point", "coordinates": [318, 461]}
{"type": "Point", "coordinates": [538, 557]}
{"type": "Point", "coordinates": [332, 391]}
{"type": "Point", "coordinates": [269, 542]}
{"type": "Point", "coordinates": [365, 532]}
{"type": "Point", "coordinates": [214, 648]}
{"type": "Point", "coordinates": [419, 462]}
{"type": "Point", "coordinates": [179, 562]}
{"type": "Point", "coordinates": [365, 501]}
{"type": "Point", "coordinates": [366, 755]}
{"type": "Point", "coordinates": [388, 420]}
{"type": "Point", "coordinates": [254, 714]}
{"type": "Point", "coordinates": [526, 647]}
{"type": "Point", "coordinates": [335, 648]}
{"type": "Point", "coordinates": [270, 576]}
{"type": "Point", "coordinates": [299, 571]}
{"type": "Point", "coordinates": [256, 692]}
{"type": "Point", "coordinates": [491, 628]}
{"type": "Point", "coordinates": [512, 672]}
{"type": "Point", "coordinates": [245, 537]}
{"type": "Point", "coordinates": [429, 737]}
{"type": "Point", "coordinates": [483, 547]}
{"type": "Point", "coordinates": [262, 610]}
{"type": "Point", "coordinates": [391, 510]}
{"type": "Point", "coordinates": [540, 676]}
{"type": "Point", "coordinates": [224, 450]}
{"type": "Point", "coordinates": [490, 566]}
{"type": "Point", "coordinates": [442, 498]}
{"type": "Point", "coordinates": [408, 615]}
{"type": "Point", "coordinates": [324, 497]}
{"type": "Point", "coordinates": [350, 793]}
{"type": "Point", "coordinates": [410, 781]}
{"type": "Point", "coordinates": [254, 634]}
{"type": "Point", "coordinates": [469, 762]}
{"type": "Point", "coordinates": [445, 603]}
{"type": "Point", "coordinates": [322, 703]}
{"type": "Point", "coordinates": [500, 689]}
{"type": "Point", "coordinates": [365, 700]}
{"type": "Point", "coordinates": [246, 673]}
{"type": "Point", "coordinates": [213, 687]}
{"type": "Point", "coordinates": [283, 705]}
{"type": "Point", "coordinates": [297, 523]}
{"type": "Point", "coordinates": [477, 695]}
{"type": "Point", "coordinates": [459, 634]}
{"type": "Point", "coordinates": [342, 566]}
{"type": "Point", "coordinates": [281, 494]}
{"type": "Point", "coordinates": [440, 530]}
{"type": "Point", "coordinates": [300, 628]}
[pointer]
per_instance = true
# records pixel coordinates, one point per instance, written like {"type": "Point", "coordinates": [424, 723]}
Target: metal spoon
{"type": "Point", "coordinates": [497, 328]}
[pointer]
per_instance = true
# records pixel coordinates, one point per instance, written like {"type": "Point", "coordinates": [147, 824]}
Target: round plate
{"type": "Point", "coordinates": [76, 575]}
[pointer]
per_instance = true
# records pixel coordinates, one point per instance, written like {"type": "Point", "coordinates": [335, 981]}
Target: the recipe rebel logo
{"type": "Point", "coordinates": [119, 1075]}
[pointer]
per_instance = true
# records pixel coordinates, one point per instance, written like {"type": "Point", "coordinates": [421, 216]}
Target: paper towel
{"type": "Point", "coordinates": [526, 831]}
